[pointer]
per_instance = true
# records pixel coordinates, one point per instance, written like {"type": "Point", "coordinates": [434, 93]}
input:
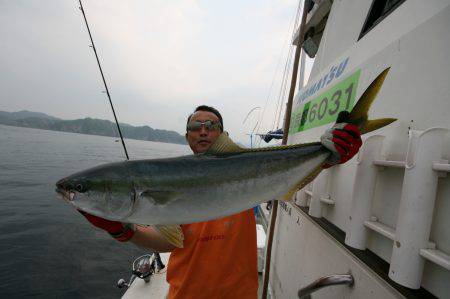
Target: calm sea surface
{"type": "Point", "coordinates": [48, 250]}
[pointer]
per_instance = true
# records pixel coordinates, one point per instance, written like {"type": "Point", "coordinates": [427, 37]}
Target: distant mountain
{"type": "Point", "coordinates": [25, 114]}
{"type": "Point", "coordinates": [88, 125]}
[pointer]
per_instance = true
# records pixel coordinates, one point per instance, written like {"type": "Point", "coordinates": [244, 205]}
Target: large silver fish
{"type": "Point", "coordinates": [225, 180]}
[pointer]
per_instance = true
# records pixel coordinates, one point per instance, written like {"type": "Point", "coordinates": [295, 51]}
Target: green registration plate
{"type": "Point", "coordinates": [325, 108]}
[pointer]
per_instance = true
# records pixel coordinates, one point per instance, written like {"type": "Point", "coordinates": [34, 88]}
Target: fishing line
{"type": "Point", "coordinates": [282, 92]}
{"type": "Point", "coordinates": [283, 88]}
{"type": "Point", "coordinates": [284, 81]}
{"type": "Point", "coordinates": [286, 77]}
{"type": "Point", "coordinates": [294, 20]}
{"type": "Point", "coordinates": [104, 81]}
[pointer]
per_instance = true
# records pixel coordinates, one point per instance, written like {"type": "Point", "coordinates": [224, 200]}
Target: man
{"type": "Point", "coordinates": [218, 258]}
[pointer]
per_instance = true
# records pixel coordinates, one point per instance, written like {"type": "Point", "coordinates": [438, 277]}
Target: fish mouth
{"type": "Point", "coordinates": [66, 195]}
{"type": "Point", "coordinates": [61, 190]}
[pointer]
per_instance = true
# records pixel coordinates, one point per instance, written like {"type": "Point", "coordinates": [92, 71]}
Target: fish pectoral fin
{"type": "Point", "coordinates": [159, 197]}
{"type": "Point", "coordinates": [172, 233]}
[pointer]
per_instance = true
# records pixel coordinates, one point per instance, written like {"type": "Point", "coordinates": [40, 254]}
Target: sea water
{"type": "Point", "coordinates": [47, 249]}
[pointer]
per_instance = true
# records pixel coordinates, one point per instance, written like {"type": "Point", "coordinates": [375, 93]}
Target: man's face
{"type": "Point", "coordinates": [201, 140]}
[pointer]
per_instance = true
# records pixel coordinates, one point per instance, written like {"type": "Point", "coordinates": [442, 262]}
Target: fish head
{"type": "Point", "coordinates": [102, 191]}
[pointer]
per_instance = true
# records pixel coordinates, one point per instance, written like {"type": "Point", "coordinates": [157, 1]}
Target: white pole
{"type": "Point", "coordinates": [301, 198]}
{"type": "Point", "coordinates": [416, 208]}
{"type": "Point", "coordinates": [301, 75]}
{"type": "Point", "coordinates": [363, 190]}
{"type": "Point", "coordinates": [319, 190]}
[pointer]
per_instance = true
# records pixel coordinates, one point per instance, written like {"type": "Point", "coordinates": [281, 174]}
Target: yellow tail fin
{"type": "Point", "coordinates": [359, 113]}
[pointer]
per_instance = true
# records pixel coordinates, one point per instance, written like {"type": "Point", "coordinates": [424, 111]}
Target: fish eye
{"type": "Point", "coordinates": [80, 188]}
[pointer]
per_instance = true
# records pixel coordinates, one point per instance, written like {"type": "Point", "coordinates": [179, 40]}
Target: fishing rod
{"type": "Point", "coordinates": [104, 81]}
{"type": "Point", "coordinates": [157, 256]}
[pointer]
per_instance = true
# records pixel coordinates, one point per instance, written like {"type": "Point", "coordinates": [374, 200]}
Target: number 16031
{"type": "Point", "coordinates": [325, 108]}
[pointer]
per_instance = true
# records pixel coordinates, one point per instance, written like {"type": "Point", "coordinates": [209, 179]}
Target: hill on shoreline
{"type": "Point", "coordinates": [90, 126]}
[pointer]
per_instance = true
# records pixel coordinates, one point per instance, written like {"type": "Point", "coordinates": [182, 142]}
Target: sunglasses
{"type": "Point", "coordinates": [209, 125]}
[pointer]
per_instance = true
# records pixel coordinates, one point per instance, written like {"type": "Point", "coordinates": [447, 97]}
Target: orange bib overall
{"type": "Point", "coordinates": [219, 260]}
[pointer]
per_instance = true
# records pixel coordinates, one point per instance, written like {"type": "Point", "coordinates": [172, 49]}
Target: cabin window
{"type": "Point", "coordinates": [378, 11]}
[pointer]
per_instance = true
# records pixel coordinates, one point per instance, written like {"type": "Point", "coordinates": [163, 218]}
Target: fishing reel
{"type": "Point", "coordinates": [143, 267]}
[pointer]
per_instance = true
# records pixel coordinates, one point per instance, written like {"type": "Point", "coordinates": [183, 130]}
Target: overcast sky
{"type": "Point", "coordinates": [161, 59]}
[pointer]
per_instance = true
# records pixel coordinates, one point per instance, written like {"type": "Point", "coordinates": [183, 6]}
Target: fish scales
{"type": "Point", "coordinates": [229, 184]}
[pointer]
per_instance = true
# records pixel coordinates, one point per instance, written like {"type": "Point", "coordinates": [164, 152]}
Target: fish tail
{"type": "Point", "coordinates": [172, 233]}
{"type": "Point", "coordinates": [359, 113]}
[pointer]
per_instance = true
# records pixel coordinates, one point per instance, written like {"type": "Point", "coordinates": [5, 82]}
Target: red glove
{"type": "Point", "coordinates": [344, 141]}
{"type": "Point", "coordinates": [119, 231]}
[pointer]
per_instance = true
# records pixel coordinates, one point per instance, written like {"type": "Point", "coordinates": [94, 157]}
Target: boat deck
{"type": "Point", "coordinates": [158, 286]}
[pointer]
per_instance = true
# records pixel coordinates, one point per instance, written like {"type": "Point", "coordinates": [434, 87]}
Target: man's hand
{"type": "Point", "coordinates": [343, 140]}
{"type": "Point", "coordinates": [142, 236]}
{"type": "Point", "coordinates": [119, 231]}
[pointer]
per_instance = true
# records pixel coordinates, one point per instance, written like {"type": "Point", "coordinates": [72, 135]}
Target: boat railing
{"type": "Point", "coordinates": [423, 166]}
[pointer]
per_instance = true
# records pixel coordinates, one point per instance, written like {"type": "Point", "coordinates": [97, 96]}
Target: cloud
{"type": "Point", "coordinates": [160, 58]}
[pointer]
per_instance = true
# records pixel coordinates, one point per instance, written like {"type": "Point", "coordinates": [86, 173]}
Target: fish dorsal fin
{"type": "Point", "coordinates": [224, 145]}
{"type": "Point", "coordinates": [280, 147]}
{"type": "Point", "coordinates": [172, 233]}
{"type": "Point", "coordinates": [159, 197]}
